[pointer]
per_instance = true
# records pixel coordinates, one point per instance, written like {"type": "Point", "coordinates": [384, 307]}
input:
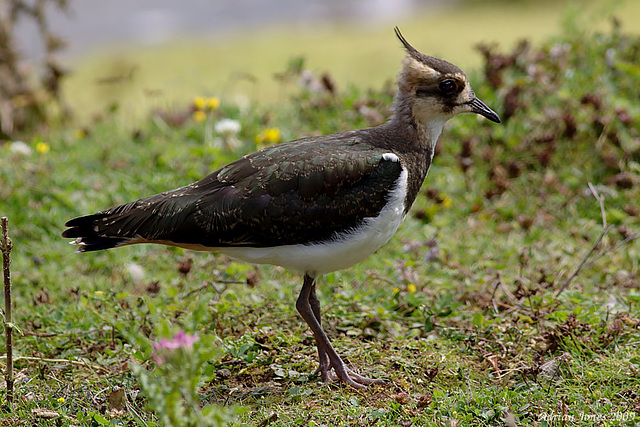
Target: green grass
{"type": "Point", "coordinates": [460, 311]}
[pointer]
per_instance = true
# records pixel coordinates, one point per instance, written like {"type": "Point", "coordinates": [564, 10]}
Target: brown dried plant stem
{"type": "Point", "coordinates": [5, 246]}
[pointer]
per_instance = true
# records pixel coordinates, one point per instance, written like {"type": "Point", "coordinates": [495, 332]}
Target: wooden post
{"type": "Point", "coordinates": [5, 246]}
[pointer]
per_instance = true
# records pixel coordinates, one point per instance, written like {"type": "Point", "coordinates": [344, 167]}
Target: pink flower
{"type": "Point", "coordinates": [180, 340]}
{"type": "Point", "coordinates": [157, 358]}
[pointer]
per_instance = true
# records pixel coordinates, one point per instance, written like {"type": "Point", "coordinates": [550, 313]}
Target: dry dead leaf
{"type": "Point", "coordinates": [117, 399]}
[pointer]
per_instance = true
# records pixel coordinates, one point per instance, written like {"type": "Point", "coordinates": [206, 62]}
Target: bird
{"type": "Point", "coordinates": [313, 205]}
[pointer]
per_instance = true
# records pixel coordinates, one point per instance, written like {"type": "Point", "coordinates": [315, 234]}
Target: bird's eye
{"type": "Point", "coordinates": [448, 86]}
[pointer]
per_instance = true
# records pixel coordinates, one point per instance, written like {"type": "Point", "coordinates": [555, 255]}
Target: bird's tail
{"type": "Point", "coordinates": [163, 218]}
{"type": "Point", "coordinates": [102, 230]}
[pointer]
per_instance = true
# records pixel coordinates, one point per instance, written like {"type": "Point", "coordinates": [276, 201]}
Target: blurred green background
{"type": "Point", "coordinates": [238, 61]}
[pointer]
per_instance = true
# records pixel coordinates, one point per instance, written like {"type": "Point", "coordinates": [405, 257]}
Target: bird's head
{"type": "Point", "coordinates": [434, 89]}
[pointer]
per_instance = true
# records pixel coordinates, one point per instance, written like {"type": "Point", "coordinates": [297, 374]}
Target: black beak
{"type": "Point", "coordinates": [481, 108]}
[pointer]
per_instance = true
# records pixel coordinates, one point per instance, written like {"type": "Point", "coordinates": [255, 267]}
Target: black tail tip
{"type": "Point", "coordinates": [96, 243]}
{"type": "Point", "coordinates": [87, 238]}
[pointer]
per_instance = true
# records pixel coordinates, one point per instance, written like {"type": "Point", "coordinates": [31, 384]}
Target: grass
{"type": "Point", "coordinates": [461, 312]}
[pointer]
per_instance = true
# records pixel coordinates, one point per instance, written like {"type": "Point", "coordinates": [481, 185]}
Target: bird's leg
{"type": "Point", "coordinates": [324, 366]}
{"type": "Point", "coordinates": [306, 310]}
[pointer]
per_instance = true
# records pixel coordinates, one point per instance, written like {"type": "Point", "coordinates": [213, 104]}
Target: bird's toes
{"type": "Point", "coordinates": [353, 379]}
{"type": "Point", "coordinates": [364, 380]}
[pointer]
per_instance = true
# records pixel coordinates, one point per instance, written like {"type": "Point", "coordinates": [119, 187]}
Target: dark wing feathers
{"type": "Point", "coordinates": [301, 191]}
{"type": "Point", "coordinates": [147, 219]}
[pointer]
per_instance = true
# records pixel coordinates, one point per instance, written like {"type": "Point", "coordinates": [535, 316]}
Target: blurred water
{"type": "Point", "coordinates": [93, 23]}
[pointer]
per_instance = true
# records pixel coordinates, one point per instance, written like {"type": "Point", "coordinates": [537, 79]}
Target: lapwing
{"type": "Point", "coordinates": [313, 205]}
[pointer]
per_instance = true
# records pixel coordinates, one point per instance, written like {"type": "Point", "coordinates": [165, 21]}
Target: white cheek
{"type": "Point", "coordinates": [427, 112]}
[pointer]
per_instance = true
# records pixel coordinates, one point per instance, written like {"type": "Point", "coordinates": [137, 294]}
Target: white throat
{"type": "Point", "coordinates": [429, 131]}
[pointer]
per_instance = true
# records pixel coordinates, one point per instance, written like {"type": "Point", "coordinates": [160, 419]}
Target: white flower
{"type": "Point", "coordinates": [19, 147]}
{"type": "Point", "coordinates": [136, 272]}
{"type": "Point", "coordinates": [228, 128]}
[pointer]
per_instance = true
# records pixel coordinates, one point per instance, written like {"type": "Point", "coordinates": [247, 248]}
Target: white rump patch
{"type": "Point", "coordinates": [390, 157]}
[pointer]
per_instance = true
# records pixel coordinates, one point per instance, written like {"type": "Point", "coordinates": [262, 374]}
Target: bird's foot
{"type": "Point", "coordinates": [339, 372]}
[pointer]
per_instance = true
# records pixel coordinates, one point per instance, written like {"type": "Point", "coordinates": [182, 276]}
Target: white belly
{"type": "Point", "coordinates": [341, 252]}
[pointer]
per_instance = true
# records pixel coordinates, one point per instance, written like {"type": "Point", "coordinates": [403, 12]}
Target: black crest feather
{"type": "Point", "coordinates": [439, 65]}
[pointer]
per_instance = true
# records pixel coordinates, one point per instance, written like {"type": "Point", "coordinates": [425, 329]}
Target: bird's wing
{"type": "Point", "coordinates": [301, 191]}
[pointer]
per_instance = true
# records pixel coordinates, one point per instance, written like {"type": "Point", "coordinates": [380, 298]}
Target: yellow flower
{"type": "Point", "coordinates": [98, 293]}
{"type": "Point", "coordinates": [446, 200]}
{"type": "Point", "coordinates": [268, 136]}
{"type": "Point", "coordinates": [199, 116]}
{"type": "Point", "coordinates": [206, 103]}
{"type": "Point", "coordinates": [42, 147]}
{"type": "Point", "coordinates": [213, 103]}
{"type": "Point", "coordinates": [272, 135]}
{"type": "Point", "coordinates": [395, 291]}
{"type": "Point", "coordinates": [80, 133]}
{"type": "Point", "coordinates": [61, 400]}
{"type": "Point", "coordinates": [411, 288]}
{"type": "Point", "coordinates": [199, 102]}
